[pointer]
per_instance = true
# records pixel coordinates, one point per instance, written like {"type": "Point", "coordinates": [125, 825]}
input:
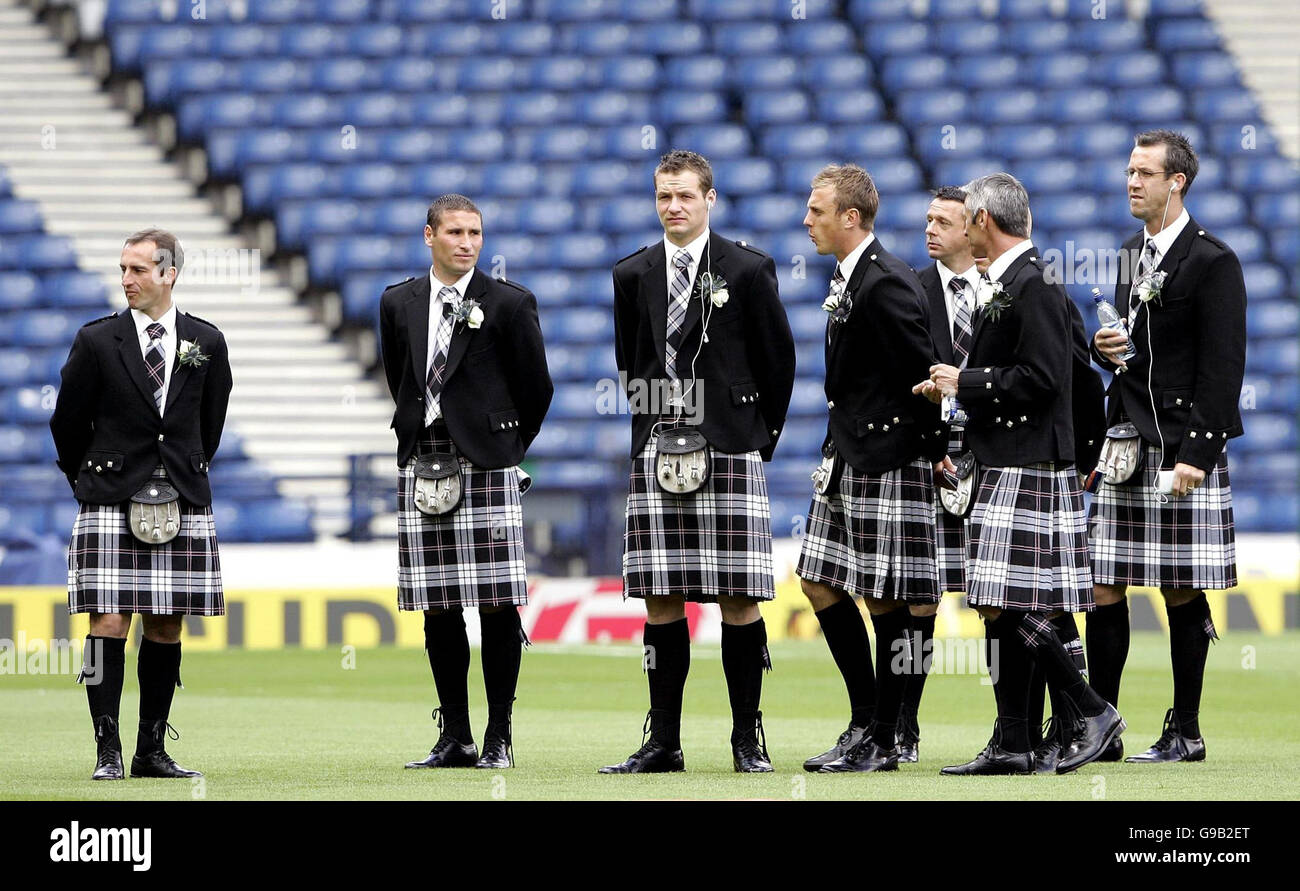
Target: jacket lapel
{"type": "Point", "coordinates": [133, 358]}
{"type": "Point", "coordinates": [462, 333]}
{"type": "Point", "coordinates": [654, 289]}
{"type": "Point", "coordinates": [940, 333]}
{"type": "Point", "coordinates": [181, 374]}
{"type": "Point", "coordinates": [1168, 264]}
{"type": "Point", "coordinates": [711, 260]}
{"type": "Point", "coordinates": [851, 290]}
{"type": "Point", "coordinates": [1006, 278]}
{"type": "Point", "coordinates": [417, 329]}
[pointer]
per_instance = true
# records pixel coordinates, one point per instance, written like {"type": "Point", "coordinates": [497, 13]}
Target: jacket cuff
{"type": "Point", "coordinates": [1201, 448]}
{"type": "Point", "coordinates": [975, 385]}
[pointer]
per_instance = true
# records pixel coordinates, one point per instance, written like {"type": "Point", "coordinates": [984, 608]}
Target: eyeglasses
{"type": "Point", "coordinates": [1144, 175]}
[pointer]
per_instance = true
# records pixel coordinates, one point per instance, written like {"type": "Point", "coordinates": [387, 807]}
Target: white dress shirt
{"type": "Point", "coordinates": [695, 249]}
{"type": "Point", "coordinates": [971, 276]}
{"type": "Point", "coordinates": [168, 321]}
{"type": "Point", "coordinates": [1165, 238]}
{"type": "Point", "coordinates": [850, 262]}
{"type": "Point", "coordinates": [1003, 263]}
{"type": "Point", "coordinates": [435, 313]}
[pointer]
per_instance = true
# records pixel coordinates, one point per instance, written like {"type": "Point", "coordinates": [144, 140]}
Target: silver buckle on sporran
{"type": "Point", "coordinates": [681, 461]}
{"type": "Point", "coordinates": [438, 488]}
{"type": "Point", "coordinates": [958, 498]}
{"type": "Point", "coordinates": [1122, 454]}
{"type": "Point", "coordinates": [154, 512]}
{"type": "Point", "coordinates": [827, 474]}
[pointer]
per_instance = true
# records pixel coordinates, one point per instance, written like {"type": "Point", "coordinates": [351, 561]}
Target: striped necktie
{"type": "Point", "coordinates": [1146, 264]}
{"type": "Point", "coordinates": [678, 300]}
{"type": "Point", "coordinates": [962, 329]}
{"type": "Point", "coordinates": [442, 343]}
{"type": "Point", "coordinates": [154, 360]}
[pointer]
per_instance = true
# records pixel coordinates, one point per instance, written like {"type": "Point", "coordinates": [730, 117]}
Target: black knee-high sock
{"type": "Point", "coordinates": [1190, 631]}
{"type": "Point", "coordinates": [850, 646]}
{"type": "Point", "coordinates": [667, 662]}
{"type": "Point", "coordinates": [920, 641]}
{"type": "Point", "coordinates": [447, 646]}
{"type": "Point", "coordinates": [503, 646]}
{"type": "Point", "coordinates": [103, 669]}
{"type": "Point", "coordinates": [1062, 673]}
{"type": "Point", "coordinates": [1068, 632]}
{"type": "Point", "coordinates": [891, 646]}
{"type": "Point", "coordinates": [1036, 695]}
{"type": "Point", "coordinates": [1010, 666]}
{"type": "Point", "coordinates": [1108, 639]}
{"type": "Point", "coordinates": [744, 658]}
{"type": "Point", "coordinates": [158, 666]}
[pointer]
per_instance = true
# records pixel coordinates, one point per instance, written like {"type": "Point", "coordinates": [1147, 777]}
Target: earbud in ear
{"type": "Point", "coordinates": [1176, 186]}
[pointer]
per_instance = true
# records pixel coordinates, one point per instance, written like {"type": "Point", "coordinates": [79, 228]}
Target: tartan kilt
{"type": "Point", "coordinates": [1028, 541]}
{"type": "Point", "coordinates": [875, 535]}
{"type": "Point", "coordinates": [473, 556]}
{"type": "Point", "coordinates": [952, 531]}
{"type": "Point", "coordinates": [1190, 542]}
{"type": "Point", "coordinates": [111, 571]}
{"type": "Point", "coordinates": [714, 542]}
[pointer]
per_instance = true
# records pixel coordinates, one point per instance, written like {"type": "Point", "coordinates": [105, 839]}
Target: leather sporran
{"type": "Point", "coordinates": [960, 498]}
{"type": "Point", "coordinates": [681, 461]}
{"type": "Point", "coordinates": [1122, 454]}
{"type": "Point", "coordinates": [438, 484]}
{"type": "Point", "coordinates": [154, 512]}
{"type": "Point", "coordinates": [826, 478]}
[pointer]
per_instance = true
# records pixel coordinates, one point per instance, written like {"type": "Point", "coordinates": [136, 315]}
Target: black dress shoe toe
{"type": "Point", "coordinates": [1047, 754]}
{"type": "Point", "coordinates": [1114, 751]}
{"type": "Point", "coordinates": [497, 754]}
{"type": "Point", "coordinates": [848, 739]}
{"type": "Point", "coordinates": [1090, 738]}
{"type": "Point", "coordinates": [865, 757]}
{"type": "Point", "coordinates": [650, 758]}
{"type": "Point", "coordinates": [1171, 746]}
{"type": "Point", "coordinates": [993, 761]}
{"type": "Point", "coordinates": [108, 751]}
{"type": "Point", "coordinates": [159, 765]}
{"type": "Point", "coordinates": [448, 752]}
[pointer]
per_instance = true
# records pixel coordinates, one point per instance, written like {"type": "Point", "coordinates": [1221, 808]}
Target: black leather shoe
{"type": "Point", "coordinates": [498, 754]}
{"type": "Point", "coordinates": [749, 749]}
{"type": "Point", "coordinates": [865, 757]}
{"type": "Point", "coordinates": [848, 739]}
{"type": "Point", "coordinates": [1114, 751]}
{"type": "Point", "coordinates": [151, 760]}
{"type": "Point", "coordinates": [1090, 738]}
{"type": "Point", "coordinates": [1171, 746]}
{"type": "Point", "coordinates": [653, 756]}
{"type": "Point", "coordinates": [448, 751]}
{"type": "Point", "coordinates": [908, 740]}
{"type": "Point", "coordinates": [108, 750]}
{"type": "Point", "coordinates": [994, 760]}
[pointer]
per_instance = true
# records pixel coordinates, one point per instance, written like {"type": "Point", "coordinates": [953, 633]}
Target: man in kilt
{"type": "Point", "coordinates": [698, 321]}
{"type": "Point", "coordinates": [466, 366]}
{"type": "Point", "coordinates": [1185, 297]}
{"type": "Point", "coordinates": [1027, 541]}
{"type": "Point", "coordinates": [870, 529]}
{"type": "Point", "coordinates": [140, 409]}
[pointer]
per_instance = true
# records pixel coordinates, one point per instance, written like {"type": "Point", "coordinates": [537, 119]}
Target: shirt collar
{"type": "Point", "coordinates": [849, 263]}
{"type": "Point", "coordinates": [461, 286]}
{"type": "Point", "coordinates": [946, 275]}
{"type": "Point", "coordinates": [695, 248]}
{"type": "Point", "coordinates": [1164, 239]}
{"type": "Point", "coordinates": [167, 320]}
{"type": "Point", "coordinates": [1003, 263]}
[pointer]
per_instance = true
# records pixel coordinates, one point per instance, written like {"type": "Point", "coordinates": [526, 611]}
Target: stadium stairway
{"type": "Point", "coordinates": [1265, 45]}
{"type": "Point", "coordinates": [301, 403]}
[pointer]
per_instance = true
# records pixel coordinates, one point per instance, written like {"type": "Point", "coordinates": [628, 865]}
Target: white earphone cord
{"type": "Point", "coordinates": [1151, 359]}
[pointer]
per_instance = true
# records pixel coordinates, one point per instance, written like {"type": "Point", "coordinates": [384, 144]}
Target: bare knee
{"type": "Point", "coordinates": [820, 595]}
{"type": "Point", "coordinates": [988, 613]}
{"type": "Point", "coordinates": [922, 610]}
{"type": "Point", "coordinates": [1179, 596]}
{"type": "Point", "coordinates": [110, 624]}
{"type": "Point", "coordinates": [738, 611]}
{"type": "Point", "coordinates": [162, 629]}
{"type": "Point", "coordinates": [660, 610]}
{"type": "Point", "coordinates": [878, 607]}
{"type": "Point", "coordinates": [1105, 595]}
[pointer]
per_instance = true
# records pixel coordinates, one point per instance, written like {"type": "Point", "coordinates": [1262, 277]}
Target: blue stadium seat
{"type": "Point", "coordinates": [48, 328]}
{"type": "Point", "coordinates": [1265, 174]}
{"type": "Point", "coordinates": [314, 41]}
{"type": "Point", "coordinates": [765, 108]}
{"type": "Point", "coordinates": [1063, 69]}
{"type": "Point", "coordinates": [430, 10]}
{"type": "Point", "coordinates": [673, 39]}
{"type": "Point", "coordinates": [1248, 140]}
{"type": "Point", "coordinates": [983, 71]}
{"type": "Point", "coordinates": [1065, 212]}
{"type": "Point", "coordinates": [1143, 69]}
{"type": "Point", "coordinates": [1008, 106]}
{"type": "Point", "coordinates": [577, 325]}
{"type": "Point", "coordinates": [696, 72]}
{"type": "Point", "coordinates": [1186, 34]}
{"type": "Point", "coordinates": [772, 211]}
{"type": "Point", "coordinates": [1226, 104]}
{"type": "Point", "coordinates": [744, 176]}
{"type": "Point", "coordinates": [888, 38]}
{"type": "Point", "coordinates": [18, 217]}
{"type": "Point", "coordinates": [1113, 34]}
{"type": "Point", "coordinates": [373, 180]}
{"type": "Point", "coordinates": [75, 288]}
{"type": "Point", "coordinates": [797, 173]}
{"type": "Point", "coordinates": [342, 11]}
{"type": "Point", "coordinates": [479, 73]}
{"type": "Point", "coordinates": [922, 71]}
{"type": "Point", "coordinates": [766, 73]}
{"type": "Point", "coordinates": [1142, 104]}
{"type": "Point", "coordinates": [24, 405]}
{"type": "Point", "coordinates": [816, 38]}
{"type": "Point", "coordinates": [1037, 38]}
{"type": "Point", "coordinates": [868, 142]}
{"type": "Point", "coordinates": [1247, 242]}
{"type": "Point", "coordinates": [879, 10]}
{"type": "Point", "coordinates": [968, 37]}
{"type": "Point", "coordinates": [1285, 245]}
{"type": "Point", "coordinates": [242, 41]}
{"type": "Point", "coordinates": [631, 73]}
{"type": "Point", "coordinates": [1264, 281]}
{"type": "Point", "coordinates": [597, 38]}
{"type": "Point", "coordinates": [797, 141]}
{"type": "Point", "coordinates": [808, 322]}
{"type": "Point", "coordinates": [613, 106]}
{"type": "Point", "coordinates": [933, 106]}
{"type": "Point", "coordinates": [1273, 318]}
{"type": "Point", "coordinates": [1078, 104]}
{"type": "Point", "coordinates": [936, 143]}
{"type": "Point", "coordinates": [691, 107]}
{"type": "Point", "coordinates": [1198, 70]}
{"type": "Point", "coordinates": [956, 9]}
{"type": "Point", "coordinates": [19, 366]}
{"type": "Point", "coordinates": [306, 111]}
{"type": "Point", "coordinates": [119, 11]}
{"type": "Point", "coordinates": [648, 10]}
{"type": "Point", "coordinates": [375, 41]}
{"type": "Point", "coordinates": [265, 184]}
{"type": "Point", "coordinates": [522, 38]}
{"type": "Point", "coordinates": [1265, 432]}
{"type": "Point", "coordinates": [1049, 175]}
{"type": "Point", "coordinates": [531, 109]}
{"type": "Point", "coordinates": [1018, 141]}
{"type": "Point", "coordinates": [548, 215]}
{"type": "Point", "coordinates": [1271, 394]}
{"type": "Point", "coordinates": [556, 73]}
{"type": "Point", "coordinates": [626, 213]}
{"type": "Point", "coordinates": [279, 519]}
{"type": "Point", "coordinates": [1161, 9]}
{"type": "Point", "coordinates": [605, 178]}
{"type": "Point", "coordinates": [905, 211]}
{"type": "Point", "coordinates": [747, 39]}
{"type": "Point", "coordinates": [732, 10]}
{"type": "Point", "coordinates": [20, 444]}
{"type": "Point", "coordinates": [343, 75]}
{"type": "Point", "coordinates": [837, 71]}
{"type": "Point", "coordinates": [1215, 210]}
{"type": "Point", "coordinates": [715, 140]}
{"type": "Point", "coordinates": [1101, 140]}
{"type": "Point", "coordinates": [959, 171]}
{"type": "Point", "coordinates": [1019, 11]}
{"type": "Point", "coordinates": [276, 11]}
{"type": "Point", "coordinates": [574, 10]}
{"type": "Point", "coordinates": [1278, 356]}
{"type": "Point", "coordinates": [243, 480]}
{"type": "Point", "coordinates": [37, 252]}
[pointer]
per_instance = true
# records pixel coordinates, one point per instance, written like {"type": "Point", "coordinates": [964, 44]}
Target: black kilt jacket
{"type": "Point", "coordinates": [937, 304]}
{"type": "Point", "coordinates": [1197, 328]}
{"type": "Point", "coordinates": [745, 369]}
{"type": "Point", "coordinates": [1018, 385]}
{"type": "Point", "coordinates": [873, 359]}
{"type": "Point", "coordinates": [496, 387]}
{"type": "Point", "coordinates": [107, 429]}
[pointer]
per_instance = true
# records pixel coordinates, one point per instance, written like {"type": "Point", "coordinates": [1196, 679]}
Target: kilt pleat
{"type": "Point", "coordinates": [952, 531]}
{"type": "Point", "coordinates": [1188, 542]}
{"type": "Point", "coordinates": [111, 571]}
{"type": "Point", "coordinates": [471, 557]}
{"type": "Point", "coordinates": [1027, 541]}
{"type": "Point", "coordinates": [716, 542]}
{"type": "Point", "coordinates": [875, 535]}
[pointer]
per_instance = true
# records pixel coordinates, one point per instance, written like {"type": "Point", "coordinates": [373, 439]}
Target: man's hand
{"type": "Point", "coordinates": [939, 479]}
{"type": "Point", "coordinates": [929, 391]}
{"type": "Point", "coordinates": [1187, 478]}
{"type": "Point", "coordinates": [1111, 343]}
{"type": "Point", "coordinates": [944, 377]}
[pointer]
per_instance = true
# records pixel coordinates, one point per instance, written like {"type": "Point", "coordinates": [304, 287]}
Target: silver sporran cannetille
{"type": "Point", "coordinates": [826, 477]}
{"type": "Point", "coordinates": [957, 495]}
{"type": "Point", "coordinates": [1122, 455]}
{"type": "Point", "coordinates": [154, 513]}
{"type": "Point", "coordinates": [681, 461]}
{"type": "Point", "coordinates": [438, 486]}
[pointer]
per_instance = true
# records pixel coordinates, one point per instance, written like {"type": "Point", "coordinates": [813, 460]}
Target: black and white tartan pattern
{"type": "Point", "coordinates": [1189, 542]}
{"type": "Point", "coordinates": [1028, 542]}
{"type": "Point", "coordinates": [714, 542]}
{"type": "Point", "coordinates": [952, 531]}
{"type": "Point", "coordinates": [111, 571]}
{"type": "Point", "coordinates": [875, 535]}
{"type": "Point", "coordinates": [471, 557]}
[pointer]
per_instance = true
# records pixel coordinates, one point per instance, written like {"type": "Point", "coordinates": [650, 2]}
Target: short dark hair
{"type": "Point", "coordinates": [680, 159]}
{"type": "Point", "coordinates": [1180, 157]}
{"type": "Point", "coordinates": [950, 193]}
{"type": "Point", "coordinates": [853, 188]}
{"type": "Point", "coordinates": [444, 203]}
{"type": "Point", "coordinates": [167, 247]}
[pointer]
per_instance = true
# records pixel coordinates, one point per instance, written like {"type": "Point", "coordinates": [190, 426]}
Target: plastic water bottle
{"type": "Point", "coordinates": [1110, 318]}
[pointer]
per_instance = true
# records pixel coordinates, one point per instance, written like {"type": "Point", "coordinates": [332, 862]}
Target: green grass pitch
{"type": "Point", "coordinates": [298, 725]}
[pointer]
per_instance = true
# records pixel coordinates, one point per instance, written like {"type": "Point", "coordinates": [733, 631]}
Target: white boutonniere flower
{"type": "Point", "coordinates": [716, 287]}
{"type": "Point", "coordinates": [469, 312]}
{"type": "Point", "coordinates": [832, 303]}
{"type": "Point", "coordinates": [986, 292]}
{"type": "Point", "coordinates": [1150, 285]}
{"type": "Point", "coordinates": [188, 353]}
